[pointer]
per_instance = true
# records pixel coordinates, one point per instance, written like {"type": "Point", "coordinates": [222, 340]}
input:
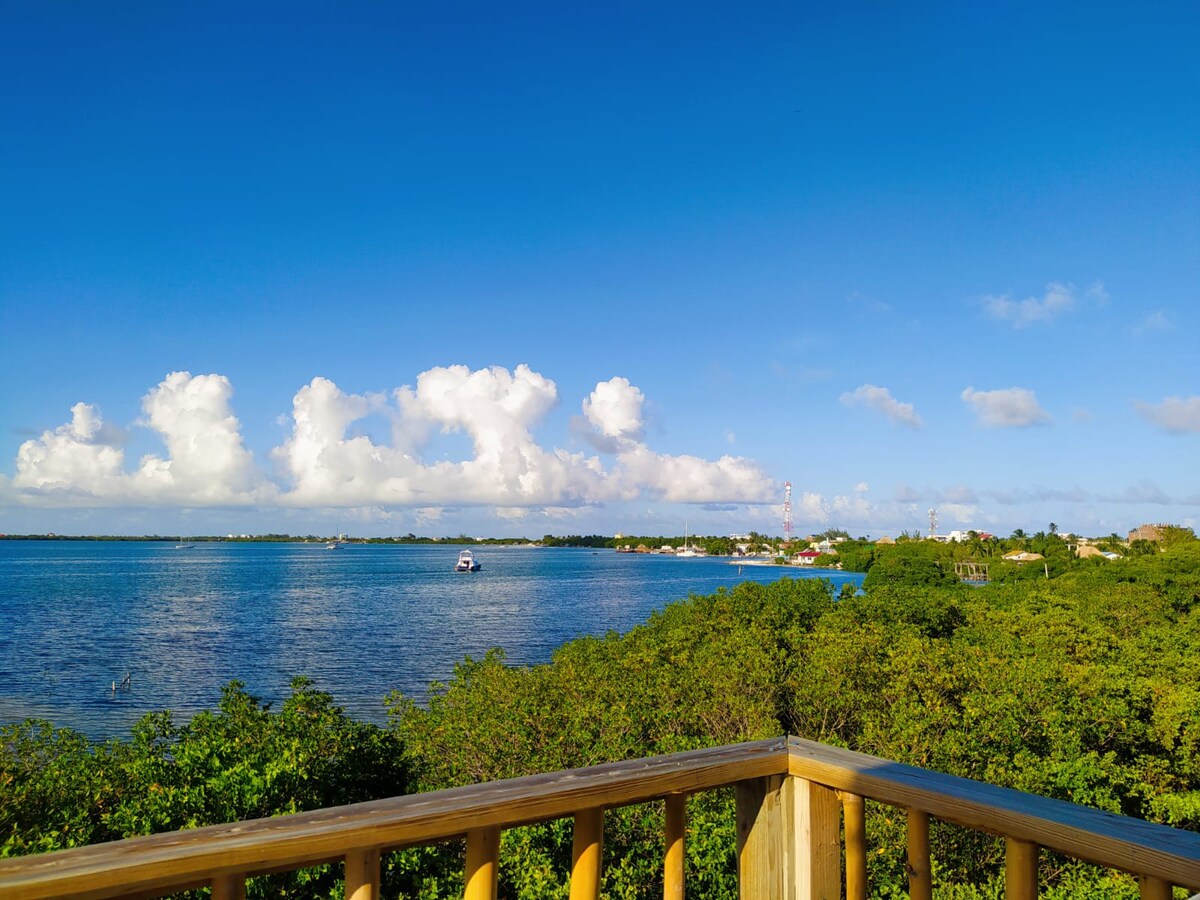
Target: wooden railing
{"type": "Point", "coordinates": [795, 800]}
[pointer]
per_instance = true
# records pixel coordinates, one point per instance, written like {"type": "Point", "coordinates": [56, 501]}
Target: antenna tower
{"type": "Point", "coordinates": [932, 522]}
{"type": "Point", "coordinates": [787, 512]}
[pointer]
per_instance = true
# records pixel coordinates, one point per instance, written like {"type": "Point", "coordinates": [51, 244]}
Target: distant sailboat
{"type": "Point", "coordinates": [184, 544]}
{"type": "Point", "coordinates": [686, 550]}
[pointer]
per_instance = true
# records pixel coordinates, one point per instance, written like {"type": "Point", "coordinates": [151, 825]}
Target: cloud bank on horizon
{"type": "Point", "coordinates": [322, 464]}
{"type": "Point", "coordinates": [327, 460]}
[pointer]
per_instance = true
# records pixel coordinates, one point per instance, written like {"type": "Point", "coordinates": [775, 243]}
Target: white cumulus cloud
{"type": "Point", "coordinates": [326, 460]}
{"type": "Point", "coordinates": [1178, 415]}
{"type": "Point", "coordinates": [614, 409]}
{"type": "Point", "coordinates": [691, 479]}
{"type": "Point", "coordinates": [206, 460]}
{"type": "Point", "coordinates": [1008, 408]}
{"type": "Point", "coordinates": [206, 463]}
{"type": "Point", "coordinates": [495, 408]}
{"type": "Point", "coordinates": [881, 400]}
{"type": "Point", "coordinates": [71, 459]}
{"type": "Point", "coordinates": [1057, 300]}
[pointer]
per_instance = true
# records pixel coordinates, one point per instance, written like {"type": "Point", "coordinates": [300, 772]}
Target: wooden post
{"type": "Point", "coordinates": [673, 858]}
{"type": "Point", "coordinates": [812, 857]}
{"type": "Point", "coordinates": [483, 864]}
{"type": "Point", "coordinates": [229, 887]}
{"type": "Point", "coordinates": [854, 814]}
{"type": "Point", "coordinates": [920, 884]}
{"type": "Point", "coordinates": [1152, 888]}
{"type": "Point", "coordinates": [362, 875]}
{"type": "Point", "coordinates": [760, 838]}
{"type": "Point", "coordinates": [587, 854]}
{"type": "Point", "coordinates": [1020, 870]}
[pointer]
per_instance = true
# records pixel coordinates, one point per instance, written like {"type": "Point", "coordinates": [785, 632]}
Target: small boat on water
{"type": "Point", "coordinates": [184, 544]}
{"type": "Point", "coordinates": [686, 551]}
{"type": "Point", "coordinates": [466, 562]}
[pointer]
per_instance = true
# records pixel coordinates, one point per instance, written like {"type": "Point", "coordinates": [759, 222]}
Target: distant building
{"type": "Point", "coordinates": [1020, 557]}
{"type": "Point", "coordinates": [1148, 532]}
{"type": "Point", "coordinates": [807, 557]}
{"type": "Point", "coordinates": [956, 537]}
{"type": "Point", "coordinates": [886, 540]}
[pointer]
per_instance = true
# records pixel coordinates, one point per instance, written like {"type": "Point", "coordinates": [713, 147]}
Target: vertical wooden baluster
{"type": "Point", "coordinates": [760, 838]}
{"type": "Point", "coordinates": [920, 885]}
{"type": "Point", "coordinates": [483, 864]}
{"type": "Point", "coordinates": [229, 887]}
{"type": "Point", "coordinates": [676, 826]}
{"type": "Point", "coordinates": [812, 841]}
{"type": "Point", "coordinates": [362, 875]}
{"type": "Point", "coordinates": [855, 814]}
{"type": "Point", "coordinates": [587, 854]}
{"type": "Point", "coordinates": [1154, 888]}
{"type": "Point", "coordinates": [1020, 870]}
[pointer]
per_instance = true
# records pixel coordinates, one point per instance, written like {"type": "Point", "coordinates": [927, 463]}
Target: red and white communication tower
{"type": "Point", "coordinates": [787, 511]}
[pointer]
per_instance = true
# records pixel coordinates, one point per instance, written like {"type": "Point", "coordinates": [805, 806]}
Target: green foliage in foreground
{"type": "Point", "coordinates": [1081, 687]}
{"type": "Point", "coordinates": [242, 761]}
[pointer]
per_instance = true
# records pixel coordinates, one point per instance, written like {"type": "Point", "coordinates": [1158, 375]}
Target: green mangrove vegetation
{"type": "Point", "coordinates": [1074, 680]}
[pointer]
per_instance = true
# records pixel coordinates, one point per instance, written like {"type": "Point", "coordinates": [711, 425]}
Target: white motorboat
{"type": "Point", "coordinates": [466, 562]}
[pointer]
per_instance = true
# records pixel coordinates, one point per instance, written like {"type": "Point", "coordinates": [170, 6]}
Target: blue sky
{"type": "Point", "coordinates": [556, 268]}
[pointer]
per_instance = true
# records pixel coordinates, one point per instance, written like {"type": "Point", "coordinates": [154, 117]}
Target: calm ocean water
{"type": "Point", "coordinates": [361, 621]}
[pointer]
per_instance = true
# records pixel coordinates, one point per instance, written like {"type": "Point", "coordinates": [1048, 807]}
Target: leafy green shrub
{"type": "Point", "coordinates": [242, 761]}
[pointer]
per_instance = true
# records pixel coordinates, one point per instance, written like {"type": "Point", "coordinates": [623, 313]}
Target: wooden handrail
{"type": "Point", "coordinates": [1092, 835]}
{"type": "Point", "coordinates": [225, 855]}
{"type": "Point", "coordinates": [188, 858]}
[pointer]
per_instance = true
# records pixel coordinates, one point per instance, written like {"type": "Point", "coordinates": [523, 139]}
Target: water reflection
{"type": "Point", "coordinates": [367, 619]}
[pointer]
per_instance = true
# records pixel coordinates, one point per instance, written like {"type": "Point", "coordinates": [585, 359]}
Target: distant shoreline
{"type": "Point", "coordinates": [263, 539]}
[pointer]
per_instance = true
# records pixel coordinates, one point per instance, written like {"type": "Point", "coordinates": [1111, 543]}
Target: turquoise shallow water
{"type": "Point", "coordinates": [361, 621]}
